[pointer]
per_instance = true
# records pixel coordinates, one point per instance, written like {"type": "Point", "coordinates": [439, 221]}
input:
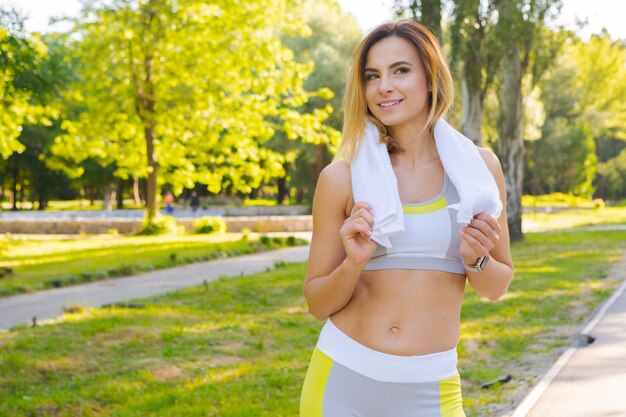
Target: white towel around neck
{"type": "Point", "coordinates": [374, 181]}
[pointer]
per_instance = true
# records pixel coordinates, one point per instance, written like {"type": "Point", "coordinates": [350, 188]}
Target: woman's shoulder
{"type": "Point", "coordinates": [335, 182]}
{"type": "Point", "coordinates": [493, 163]}
{"type": "Point", "coordinates": [337, 173]}
{"type": "Point", "coordinates": [490, 158]}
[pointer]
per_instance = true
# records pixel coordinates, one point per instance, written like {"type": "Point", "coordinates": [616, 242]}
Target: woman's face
{"type": "Point", "coordinates": [396, 86]}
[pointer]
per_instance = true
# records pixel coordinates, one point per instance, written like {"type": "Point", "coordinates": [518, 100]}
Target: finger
{"type": "Point", "coordinates": [484, 240]}
{"type": "Point", "coordinates": [476, 234]}
{"type": "Point", "coordinates": [486, 228]}
{"type": "Point", "coordinates": [361, 204]}
{"type": "Point", "coordinates": [491, 220]}
{"type": "Point", "coordinates": [364, 223]}
{"type": "Point", "coordinates": [360, 220]}
{"type": "Point", "coordinates": [351, 229]}
{"type": "Point", "coordinates": [490, 227]}
{"type": "Point", "coordinates": [363, 231]}
{"type": "Point", "coordinates": [364, 214]}
{"type": "Point", "coordinates": [475, 244]}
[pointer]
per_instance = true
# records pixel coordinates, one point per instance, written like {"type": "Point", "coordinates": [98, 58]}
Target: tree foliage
{"type": "Point", "coordinates": [186, 92]}
{"type": "Point", "coordinates": [23, 81]}
{"type": "Point", "coordinates": [334, 37]}
{"type": "Point", "coordinates": [581, 96]}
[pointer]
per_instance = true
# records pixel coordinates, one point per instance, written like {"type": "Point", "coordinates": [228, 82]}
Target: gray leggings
{"type": "Point", "coordinates": [384, 385]}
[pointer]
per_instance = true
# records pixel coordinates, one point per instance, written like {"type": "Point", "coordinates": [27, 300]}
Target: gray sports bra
{"type": "Point", "coordinates": [431, 238]}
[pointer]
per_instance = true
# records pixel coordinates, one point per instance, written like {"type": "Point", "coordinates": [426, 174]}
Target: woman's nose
{"type": "Point", "coordinates": [385, 85]}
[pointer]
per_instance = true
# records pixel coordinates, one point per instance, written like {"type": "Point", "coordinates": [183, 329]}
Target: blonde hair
{"type": "Point", "coordinates": [356, 112]}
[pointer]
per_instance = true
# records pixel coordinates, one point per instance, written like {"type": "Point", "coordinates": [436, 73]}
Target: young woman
{"type": "Point", "coordinates": [388, 348]}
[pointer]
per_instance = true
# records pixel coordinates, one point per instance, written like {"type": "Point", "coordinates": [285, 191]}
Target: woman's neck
{"type": "Point", "coordinates": [418, 145]}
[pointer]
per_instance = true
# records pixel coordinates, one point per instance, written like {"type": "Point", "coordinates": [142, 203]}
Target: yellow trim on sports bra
{"type": "Point", "coordinates": [426, 208]}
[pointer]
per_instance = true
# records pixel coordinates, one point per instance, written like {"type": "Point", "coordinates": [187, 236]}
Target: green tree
{"type": "Point", "coordinates": [185, 92]}
{"type": "Point", "coordinates": [427, 12]}
{"type": "Point", "coordinates": [584, 112]}
{"type": "Point", "coordinates": [477, 52]}
{"type": "Point", "coordinates": [38, 76]}
{"type": "Point", "coordinates": [334, 37]}
{"type": "Point", "coordinates": [529, 48]}
{"type": "Point", "coordinates": [563, 160]}
{"type": "Point", "coordinates": [611, 178]}
{"type": "Point", "coordinates": [20, 58]}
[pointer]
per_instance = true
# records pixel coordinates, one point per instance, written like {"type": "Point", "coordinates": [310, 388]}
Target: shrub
{"type": "Point", "coordinates": [598, 203]}
{"type": "Point", "coordinates": [160, 226]}
{"type": "Point", "coordinates": [209, 224]}
{"type": "Point", "coordinates": [74, 309]}
{"type": "Point", "coordinates": [245, 234]}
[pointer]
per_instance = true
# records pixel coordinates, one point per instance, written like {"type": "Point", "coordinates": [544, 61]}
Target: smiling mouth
{"type": "Point", "coordinates": [389, 104]}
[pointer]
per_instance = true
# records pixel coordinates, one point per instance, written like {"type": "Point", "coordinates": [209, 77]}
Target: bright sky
{"type": "Point", "coordinates": [599, 13]}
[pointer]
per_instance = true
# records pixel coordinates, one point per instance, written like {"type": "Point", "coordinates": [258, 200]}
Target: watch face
{"type": "Point", "coordinates": [482, 262]}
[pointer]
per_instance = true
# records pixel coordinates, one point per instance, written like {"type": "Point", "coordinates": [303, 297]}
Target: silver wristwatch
{"type": "Point", "coordinates": [479, 266]}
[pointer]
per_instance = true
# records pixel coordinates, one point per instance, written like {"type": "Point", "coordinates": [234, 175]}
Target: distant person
{"type": "Point", "coordinates": [194, 202]}
{"type": "Point", "coordinates": [390, 292]}
{"type": "Point", "coordinates": [169, 203]}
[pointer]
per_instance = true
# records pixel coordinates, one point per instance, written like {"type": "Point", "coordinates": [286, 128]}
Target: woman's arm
{"type": "Point", "coordinates": [486, 235]}
{"type": "Point", "coordinates": [340, 246]}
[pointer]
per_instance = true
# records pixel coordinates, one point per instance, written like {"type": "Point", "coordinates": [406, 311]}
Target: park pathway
{"type": "Point", "coordinates": [45, 305]}
{"type": "Point", "coordinates": [588, 380]}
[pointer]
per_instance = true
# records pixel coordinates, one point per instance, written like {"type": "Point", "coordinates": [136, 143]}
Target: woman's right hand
{"type": "Point", "coordinates": [356, 234]}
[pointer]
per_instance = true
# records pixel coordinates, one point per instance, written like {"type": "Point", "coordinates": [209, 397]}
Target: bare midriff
{"type": "Point", "coordinates": [404, 312]}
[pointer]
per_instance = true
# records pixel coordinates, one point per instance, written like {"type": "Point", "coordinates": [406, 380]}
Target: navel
{"type": "Point", "coordinates": [394, 330]}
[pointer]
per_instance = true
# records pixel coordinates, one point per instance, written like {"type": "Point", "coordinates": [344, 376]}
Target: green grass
{"type": "Point", "coordinates": [559, 200]}
{"type": "Point", "coordinates": [574, 218]}
{"type": "Point", "coordinates": [61, 205]}
{"type": "Point", "coordinates": [240, 347]}
{"type": "Point", "coordinates": [42, 264]}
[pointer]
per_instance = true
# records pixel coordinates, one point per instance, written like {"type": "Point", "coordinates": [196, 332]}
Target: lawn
{"type": "Point", "coordinates": [240, 347]}
{"type": "Point", "coordinates": [38, 263]}
{"type": "Point", "coordinates": [574, 217]}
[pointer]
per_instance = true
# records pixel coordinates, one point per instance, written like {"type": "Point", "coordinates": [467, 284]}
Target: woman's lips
{"type": "Point", "coordinates": [391, 104]}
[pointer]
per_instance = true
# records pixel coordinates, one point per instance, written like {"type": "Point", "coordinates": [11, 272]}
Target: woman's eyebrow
{"type": "Point", "coordinates": [395, 64]}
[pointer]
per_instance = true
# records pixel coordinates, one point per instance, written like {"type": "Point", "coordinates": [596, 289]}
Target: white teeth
{"type": "Point", "coordinates": [391, 103]}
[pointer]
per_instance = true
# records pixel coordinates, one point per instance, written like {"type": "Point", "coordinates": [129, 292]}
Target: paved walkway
{"type": "Point", "coordinates": [44, 305]}
{"type": "Point", "coordinates": [588, 381]}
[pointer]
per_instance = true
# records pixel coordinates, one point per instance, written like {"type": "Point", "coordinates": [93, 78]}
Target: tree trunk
{"type": "Point", "coordinates": [283, 191]}
{"type": "Point", "coordinates": [16, 172]}
{"type": "Point", "coordinates": [510, 146]}
{"type": "Point", "coordinates": [22, 191]}
{"type": "Point", "coordinates": [151, 190]}
{"type": "Point", "coordinates": [147, 100]}
{"type": "Point", "coordinates": [42, 201]}
{"type": "Point", "coordinates": [300, 195]}
{"type": "Point", "coordinates": [109, 196]}
{"type": "Point", "coordinates": [431, 16]}
{"type": "Point", "coordinates": [319, 160]}
{"type": "Point", "coordinates": [91, 194]}
{"type": "Point", "coordinates": [120, 194]}
{"type": "Point", "coordinates": [136, 195]}
{"type": "Point", "coordinates": [472, 111]}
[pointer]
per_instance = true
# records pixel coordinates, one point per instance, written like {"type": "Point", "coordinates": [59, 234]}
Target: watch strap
{"type": "Point", "coordinates": [478, 266]}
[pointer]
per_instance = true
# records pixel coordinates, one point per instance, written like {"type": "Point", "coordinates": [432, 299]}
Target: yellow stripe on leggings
{"type": "Point", "coordinates": [315, 385]}
{"type": "Point", "coordinates": [450, 398]}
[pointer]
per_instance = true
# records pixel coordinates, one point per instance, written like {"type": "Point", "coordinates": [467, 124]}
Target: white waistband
{"type": "Point", "coordinates": [383, 366]}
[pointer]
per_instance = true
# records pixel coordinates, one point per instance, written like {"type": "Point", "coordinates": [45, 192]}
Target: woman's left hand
{"type": "Point", "coordinates": [479, 237]}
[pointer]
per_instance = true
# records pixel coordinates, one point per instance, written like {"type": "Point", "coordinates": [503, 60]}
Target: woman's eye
{"type": "Point", "coordinates": [369, 77]}
{"type": "Point", "coordinates": [402, 70]}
